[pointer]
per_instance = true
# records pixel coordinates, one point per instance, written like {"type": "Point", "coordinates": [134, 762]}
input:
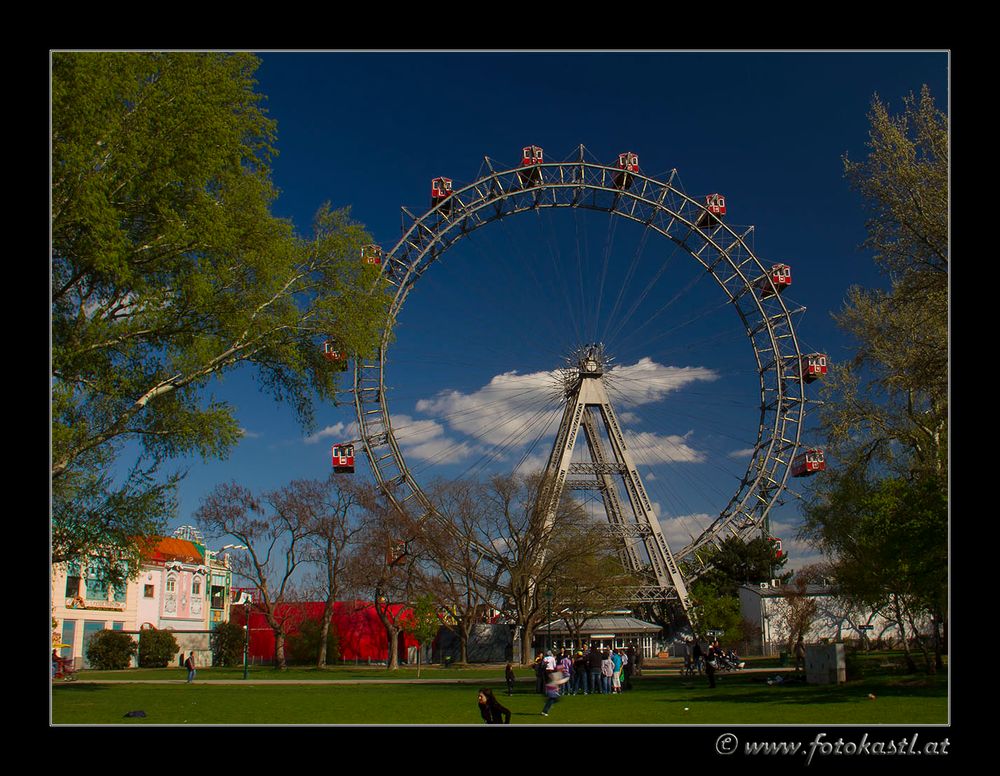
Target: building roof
{"type": "Point", "coordinates": [607, 624]}
{"type": "Point", "coordinates": [167, 548]}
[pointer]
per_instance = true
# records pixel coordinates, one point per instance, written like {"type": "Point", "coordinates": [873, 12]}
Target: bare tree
{"type": "Point", "coordinates": [528, 550]}
{"type": "Point", "coordinates": [456, 549]}
{"type": "Point", "coordinates": [384, 569]}
{"type": "Point", "coordinates": [334, 526]}
{"type": "Point", "coordinates": [273, 528]}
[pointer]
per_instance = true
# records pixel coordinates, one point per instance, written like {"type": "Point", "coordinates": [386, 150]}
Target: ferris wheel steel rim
{"type": "Point", "coordinates": [766, 318]}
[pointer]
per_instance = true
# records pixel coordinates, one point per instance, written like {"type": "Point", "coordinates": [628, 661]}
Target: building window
{"type": "Point", "coordinates": [118, 625]}
{"type": "Point", "coordinates": [171, 585]}
{"type": "Point", "coordinates": [97, 588]}
{"type": "Point", "coordinates": [147, 591]}
{"type": "Point", "coordinates": [196, 587]}
{"type": "Point", "coordinates": [72, 586]}
{"type": "Point", "coordinates": [68, 634]}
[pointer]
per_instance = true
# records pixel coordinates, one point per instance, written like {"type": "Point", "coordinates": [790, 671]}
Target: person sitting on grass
{"type": "Point", "coordinates": [489, 707]}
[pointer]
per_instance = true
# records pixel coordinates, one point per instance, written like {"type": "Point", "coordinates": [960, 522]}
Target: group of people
{"type": "Point", "coordinates": [708, 661]}
{"type": "Point", "coordinates": [594, 672]}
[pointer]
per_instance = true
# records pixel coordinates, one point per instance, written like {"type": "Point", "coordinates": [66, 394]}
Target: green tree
{"type": "Point", "coordinates": [889, 541]}
{"type": "Point", "coordinates": [880, 511]}
{"type": "Point", "coordinates": [227, 644]}
{"type": "Point", "coordinates": [889, 405]}
{"type": "Point", "coordinates": [736, 562]}
{"type": "Point", "coordinates": [168, 270]}
{"type": "Point", "coordinates": [424, 622]}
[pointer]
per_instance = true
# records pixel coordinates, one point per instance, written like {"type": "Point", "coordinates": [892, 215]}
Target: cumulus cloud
{"type": "Point", "coordinates": [646, 381]}
{"type": "Point", "coordinates": [659, 448]}
{"type": "Point", "coordinates": [425, 440]}
{"type": "Point", "coordinates": [337, 432]}
{"type": "Point", "coordinates": [680, 530]}
{"type": "Point", "coordinates": [745, 453]}
{"type": "Point", "coordinates": [510, 409]}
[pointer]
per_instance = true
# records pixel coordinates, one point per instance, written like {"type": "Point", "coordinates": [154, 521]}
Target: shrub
{"type": "Point", "coordinates": [156, 648]}
{"type": "Point", "coordinates": [111, 650]}
{"type": "Point", "coordinates": [302, 647]}
{"type": "Point", "coordinates": [227, 644]}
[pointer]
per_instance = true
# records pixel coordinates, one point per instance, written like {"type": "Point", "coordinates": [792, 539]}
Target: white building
{"type": "Point", "coordinates": [768, 607]}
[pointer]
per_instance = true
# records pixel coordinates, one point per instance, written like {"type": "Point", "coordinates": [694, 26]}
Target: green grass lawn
{"type": "Point", "coordinates": [655, 699]}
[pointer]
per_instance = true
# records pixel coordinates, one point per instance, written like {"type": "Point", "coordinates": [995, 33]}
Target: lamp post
{"type": "Point", "coordinates": [246, 634]}
{"type": "Point", "coordinates": [246, 611]}
{"type": "Point", "coordinates": [548, 596]}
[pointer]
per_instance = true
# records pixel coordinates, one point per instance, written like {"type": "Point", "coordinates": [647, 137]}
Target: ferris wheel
{"type": "Point", "coordinates": [749, 292]}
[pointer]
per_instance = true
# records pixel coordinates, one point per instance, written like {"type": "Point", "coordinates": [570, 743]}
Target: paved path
{"type": "Point", "coordinates": [657, 672]}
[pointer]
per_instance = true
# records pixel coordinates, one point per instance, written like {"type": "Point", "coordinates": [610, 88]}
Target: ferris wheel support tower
{"type": "Point", "coordinates": [588, 406]}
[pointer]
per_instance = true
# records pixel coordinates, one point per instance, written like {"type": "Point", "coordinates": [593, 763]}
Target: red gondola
{"type": "Point", "coordinates": [371, 254]}
{"type": "Point", "coordinates": [778, 280]}
{"type": "Point", "coordinates": [441, 193]}
{"type": "Point", "coordinates": [808, 463]}
{"type": "Point", "coordinates": [343, 459]}
{"type": "Point", "coordinates": [334, 354]}
{"type": "Point", "coordinates": [715, 209]}
{"type": "Point", "coordinates": [530, 173]}
{"type": "Point", "coordinates": [813, 366]}
{"type": "Point", "coordinates": [396, 551]}
{"type": "Point", "coordinates": [628, 162]}
{"type": "Point", "coordinates": [777, 546]}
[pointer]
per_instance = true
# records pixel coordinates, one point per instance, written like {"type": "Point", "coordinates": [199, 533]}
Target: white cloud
{"type": "Point", "coordinates": [646, 381]}
{"type": "Point", "coordinates": [680, 530]}
{"type": "Point", "coordinates": [512, 409]}
{"type": "Point", "coordinates": [657, 448]}
{"type": "Point", "coordinates": [338, 431]}
{"type": "Point", "coordinates": [245, 434]}
{"type": "Point", "coordinates": [509, 410]}
{"type": "Point", "coordinates": [425, 440]}
{"type": "Point", "coordinates": [745, 453]}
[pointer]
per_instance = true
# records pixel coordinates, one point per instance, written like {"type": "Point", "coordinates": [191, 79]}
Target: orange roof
{"type": "Point", "coordinates": [165, 548]}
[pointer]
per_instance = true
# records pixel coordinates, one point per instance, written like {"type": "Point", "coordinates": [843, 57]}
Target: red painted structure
{"type": "Point", "coordinates": [342, 457]}
{"type": "Point", "coordinates": [359, 630]}
{"type": "Point", "coordinates": [808, 463]}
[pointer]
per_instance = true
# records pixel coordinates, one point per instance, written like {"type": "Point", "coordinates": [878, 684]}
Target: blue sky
{"type": "Point", "coordinates": [768, 130]}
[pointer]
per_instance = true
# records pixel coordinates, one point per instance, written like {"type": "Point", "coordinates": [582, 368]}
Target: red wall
{"type": "Point", "coordinates": [359, 630]}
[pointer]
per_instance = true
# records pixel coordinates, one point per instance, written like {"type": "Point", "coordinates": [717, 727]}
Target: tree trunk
{"type": "Point", "coordinates": [393, 658]}
{"type": "Point", "coordinates": [279, 650]}
{"type": "Point", "coordinates": [324, 632]}
{"type": "Point", "coordinates": [911, 666]}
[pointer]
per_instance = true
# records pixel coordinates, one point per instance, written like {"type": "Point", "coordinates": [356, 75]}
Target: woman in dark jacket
{"type": "Point", "coordinates": [491, 710]}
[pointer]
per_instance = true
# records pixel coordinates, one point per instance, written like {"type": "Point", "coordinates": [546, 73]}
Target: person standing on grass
{"type": "Point", "coordinates": [539, 675]}
{"type": "Point", "coordinates": [710, 665]}
{"type": "Point", "coordinates": [580, 674]}
{"type": "Point", "coordinates": [696, 655]}
{"type": "Point", "coordinates": [616, 677]}
{"type": "Point", "coordinates": [190, 666]}
{"type": "Point", "coordinates": [607, 671]}
{"type": "Point", "coordinates": [594, 667]}
{"type": "Point", "coordinates": [490, 709]}
{"type": "Point", "coordinates": [509, 677]}
{"type": "Point", "coordinates": [800, 654]}
{"type": "Point", "coordinates": [566, 666]}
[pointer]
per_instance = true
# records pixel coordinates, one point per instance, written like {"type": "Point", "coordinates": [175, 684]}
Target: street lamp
{"type": "Point", "coordinates": [548, 596]}
{"type": "Point", "coordinates": [246, 601]}
{"type": "Point", "coordinates": [246, 635]}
